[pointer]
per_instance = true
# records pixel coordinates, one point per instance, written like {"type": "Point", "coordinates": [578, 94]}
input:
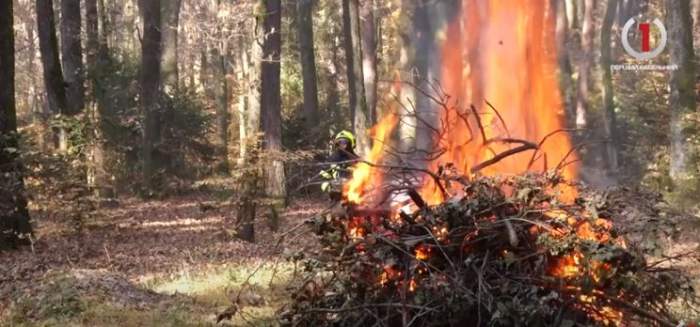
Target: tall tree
{"type": "Point", "coordinates": [150, 85]}
{"type": "Point", "coordinates": [270, 99]}
{"type": "Point", "coordinates": [72, 55]}
{"type": "Point", "coordinates": [406, 27]}
{"type": "Point", "coordinates": [170, 14]}
{"type": "Point", "coordinates": [249, 176]}
{"type": "Point", "coordinates": [356, 87]}
{"type": "Point", "coordinates": [53, 75]}
{"type": "Point", "coordinates": [572, 19]}
{"type": "Point", "coordinates": [308, 62]}
{"type": "Point", "coordinates": [242, 67]}
{"type": "Point", "coordinates": [219, 69]}
{"type": "Point", "coordinates": [369, 30]}
{"type": "Point", "coordinates": [682, 99]}
{"type": "Point", "coordinates": [103, 22]}
{"type": "Point", "coordinates": [610, 120]}
{"type": "Point", "coordinates": [97, 173]}
{"type": "Point", "coordinates": [584, 67]}
{"type": "Point", "coordinates": [14, 215]}
{"type": "Point", "coordinates": [563, 58]}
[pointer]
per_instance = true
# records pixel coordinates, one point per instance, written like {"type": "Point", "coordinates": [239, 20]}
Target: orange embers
{"type": "Point", "coordinates": [605, 314]}
{"type": "Point", "coordinates": [577, 265]}
{"type": "Point", "coordinates": [355, 229]}
{"type": "Point", "coordinates": [388, 274]}
{"type": "Point", "coordinates": [422, 252]}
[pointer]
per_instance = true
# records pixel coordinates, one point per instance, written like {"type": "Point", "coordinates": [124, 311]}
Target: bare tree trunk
{"type": "Point", "coordinates": [584, 68]}
{"type": "Point", "coordinates": [431, 20]}
{"type": "Point", "coordinates": [53, 75]}
{"type": "Point", "coordinates": [150, 86]}
{"type": "Point", "coordinates": [356, 87]}
{"type": "Point", "coordinates": [270, 105]}
{"type": "Point", "coordinates": [97, 173]}
{"type": "Point", "coordinates": [72, 55]}
{"type": "Point", "coordinates": [572, 20]}
{"type": "Point", "coordinates": [565, 69]}
{"type": "Point", "coordinates": [334, 69]}
{"type": "Point", "coordinates": [610, 122]}
{"type": "Point", "coordinates": [14, 215]}
{"type": "Point", "coordinates": [369, 56]}
{"type": "Point", "coordinates": [103, 22]}
{"type": "Point", "coordinates": [682, 98]}
{"type": "Point", "coordinates": [249, 182]}
{"type": "Point", "coordinates": [170, 15]}
{"type": "Point", "coordinates": [218, 62]}
{"type": "Point", "coordinates": [407, 125]}
{"type": "Point", "coordinates": [39, 116]}
{"type": "Point", "coordinates": [308, 63]}
{"type": "Point", "coordinates": [242, 77]}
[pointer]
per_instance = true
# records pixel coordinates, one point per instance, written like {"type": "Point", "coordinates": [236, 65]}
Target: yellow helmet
{"type": "Point", "coordinates": [345, 135]}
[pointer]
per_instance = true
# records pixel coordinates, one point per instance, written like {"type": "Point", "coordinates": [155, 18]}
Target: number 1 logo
{"type": "Point", "coordinates": [645, 29]}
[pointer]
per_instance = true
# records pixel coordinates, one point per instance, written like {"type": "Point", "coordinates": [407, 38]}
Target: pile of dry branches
{"type": "Point", "coordinates": [506, 253]}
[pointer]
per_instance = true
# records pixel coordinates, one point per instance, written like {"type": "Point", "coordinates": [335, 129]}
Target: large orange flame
{"type": "Point", "coordinates": [502, 51]}
{"type": "Point", "coordinates": [354, 189]}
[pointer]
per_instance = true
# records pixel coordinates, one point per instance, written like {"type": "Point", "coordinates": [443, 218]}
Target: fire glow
{"type": "Point", "coordinates": [500, 56]}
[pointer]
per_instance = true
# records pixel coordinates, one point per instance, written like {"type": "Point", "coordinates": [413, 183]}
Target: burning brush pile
{"type": "Point", "coordinates": [484, 225]}
{"type": "Point", "coordinates": [507, 252]}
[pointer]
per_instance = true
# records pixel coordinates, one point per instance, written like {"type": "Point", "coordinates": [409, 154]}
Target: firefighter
{"type": "Point", "coordinates": [342, 161]}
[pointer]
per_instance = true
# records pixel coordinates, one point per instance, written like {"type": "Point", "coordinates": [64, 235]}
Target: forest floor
{"type": "Point", "coordinates": [173, 262]}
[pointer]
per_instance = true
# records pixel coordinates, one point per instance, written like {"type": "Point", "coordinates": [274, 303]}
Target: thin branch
{"type": "Point", "coordinates": [501, 156]}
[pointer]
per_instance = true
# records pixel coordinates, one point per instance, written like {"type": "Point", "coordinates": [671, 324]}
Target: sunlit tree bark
{"type": "Point", "coordinates": [682, 99]}
{"type": "Point", "coordinates": [14, 215]}
{"type": "Point", "coordinates": [610, 122]}
{"type": "Point", "coordinates": [170, 14]}
{"type": "Point", "coordinates": [584, 67]}
{"type": "Point", "coordinates": [356, 87]}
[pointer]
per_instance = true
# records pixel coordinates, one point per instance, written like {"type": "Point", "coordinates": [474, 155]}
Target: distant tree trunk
{"type": "Point", "coordinates": [308, 63]}
{"type": "Point", "coordinates": [72, 55]}
{"type": "Point", "coordinates": [53, 75]}
{"type": "Point", "coordinates": [572, 20]}
{"type": "Point", "coordinates": [127, 38]}
{"type": "Point", "coordinates": [565, 69]}
{"type": "Point", "coordinates": [33, 97]}
{"type": "Point", "coordinates": [241, 78]}
{"type": "Point", "coordinates": [103, 22]}
{"type": "Point", "coordinates": [14, 215]}
{"type": "Point", "coordinates": [369, 56]}
{"type": "Point", "coordinates": [97, 173]}
{"type": "Point", "coordinates": [334, 70]}
{"type": "Point", "coordinates": [218, 62]}
{"type": "Point", "coordinates": [150, 86]}
{"type": "Point", "coordinates": [170, 15]}
{"type": "Point", "coordinates": [356, 87]}
{"type": "Point", "coordinates": [270, 104]}
{"type": "Point", "coordinates": [682, 98]}
{"type": "Point", "coordinates": [407, 125]}
{"type": "Point", "coordinates": [249, 185]}
{"type": "Point", "coordinates": [610, 119]}
{"type": "Point", "coordinates": [584, 68]}
{"type": "Point", "coordinates": [430, 21]}
{"type": "Point", "coordinates": [254, 78]}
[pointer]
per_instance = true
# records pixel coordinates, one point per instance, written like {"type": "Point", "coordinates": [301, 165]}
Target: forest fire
{"type": "Point", "coordinates": [498, 205]}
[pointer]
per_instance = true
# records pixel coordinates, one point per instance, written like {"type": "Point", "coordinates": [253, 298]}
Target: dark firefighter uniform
{"type": "Point", "coordinates": [341, 166]}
